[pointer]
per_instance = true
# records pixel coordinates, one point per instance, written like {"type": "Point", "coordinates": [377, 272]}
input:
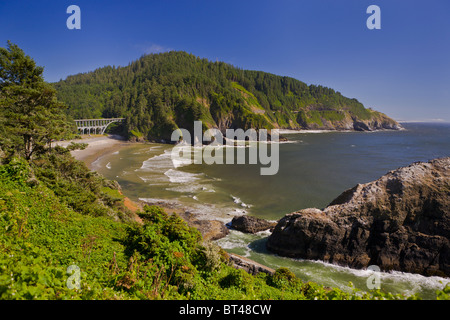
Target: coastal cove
{"type": "Point", "coordinates": [315, 167]}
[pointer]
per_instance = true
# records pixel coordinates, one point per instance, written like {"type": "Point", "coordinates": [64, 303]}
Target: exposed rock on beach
{"type": "Point", "coordinates": [250, 224]}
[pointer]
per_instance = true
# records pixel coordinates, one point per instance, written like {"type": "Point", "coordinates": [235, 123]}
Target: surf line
{"type": "Point", "coordinates": [188, 150]}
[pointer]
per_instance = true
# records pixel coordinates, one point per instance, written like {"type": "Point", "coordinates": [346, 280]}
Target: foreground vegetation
{"type": "Point", "coordinates": [65, 232]}
{"type": "Point", "coordinates": [42, 234]}
{"type": "Point", "coordinates": [161, 258]}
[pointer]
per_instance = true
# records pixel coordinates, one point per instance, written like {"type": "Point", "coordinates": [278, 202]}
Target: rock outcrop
{"type": "Point", "coordinates": [252, 267]}
{"type": "Point", "coordinates": [398, 222]}
{"type": "Point", "coordinates": [378, 121]}
{"type": "Point", "coordinates": [250, 224]}
{"type": "Point", "coordinates": [210, 229]}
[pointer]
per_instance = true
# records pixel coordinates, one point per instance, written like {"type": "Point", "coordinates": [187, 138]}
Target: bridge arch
{"type": "Point", "coordinates": [88, 126]}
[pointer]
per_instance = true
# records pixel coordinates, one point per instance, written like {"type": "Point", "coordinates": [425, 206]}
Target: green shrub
{"type": "Point", "coordinates": [283, 278]}
{"type": "Point", "coordinates": [16, 169]}
{"type": "Point", "coordinates": [238, 279]}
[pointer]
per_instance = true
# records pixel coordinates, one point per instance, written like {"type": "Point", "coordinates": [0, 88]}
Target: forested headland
{"type": "Point", "coordinates": [159, 93]}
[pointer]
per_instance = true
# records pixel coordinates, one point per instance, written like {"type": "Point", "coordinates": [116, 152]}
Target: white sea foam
{"type": "Point", "coordinates": [191, 188]}
{"type": "Point", "coordinates": [185, 188]}
{"type": "Point", "coordinates": [145, 151]}
{"type": "Point", "coordinates": [201, 210]}
{"type": "Point", "coordinates": [247, 144]}
{"type": "Point", "coordinates": [238, 212]}
{"type": "Point", "coordinates": [209, 211]}
{"type": "Point", "coordinates": [279, 142]}
{"type": "Point", "coordinates": [416, 282]}
{"type": "Point", "coordinates": [234, 240]}
{"type": "Point", "coordinates": [154, 180]}
{"type": "Point", "coordinates": [236, 199]}
{"type": "Point", "coordinates": [157, 163]}
{"type": "Point", "coordinates": [176, 176]}
{"type": "Point", "coordinates": [239, 201]}
{"type": "Point", "coordinates": [177, 163]}
{"type": "Point", "coordinates": [408, 282]}
{"type": "Point", "coordinates": [264, 233]}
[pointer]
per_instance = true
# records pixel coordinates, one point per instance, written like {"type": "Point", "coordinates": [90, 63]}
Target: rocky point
{"type": "Point", "coordinates": [399, 222]}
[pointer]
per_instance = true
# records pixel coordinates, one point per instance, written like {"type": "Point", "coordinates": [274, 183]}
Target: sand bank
{"type": "Point", "coordinates": [98, 146]}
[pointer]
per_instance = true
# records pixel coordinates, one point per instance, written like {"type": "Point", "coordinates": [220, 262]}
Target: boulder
{"type": "Point", "coordinates": [398, 222]}
{"type": "Point", "coordinates": [210, 229]}
{"type": "Point", "coordinates": [250, 224]}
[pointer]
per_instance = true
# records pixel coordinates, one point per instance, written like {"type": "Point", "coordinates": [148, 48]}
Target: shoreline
{"type": "Point", "coordinates": [97, 147]}
{"type": "Point", "coordinates": [100, 146]}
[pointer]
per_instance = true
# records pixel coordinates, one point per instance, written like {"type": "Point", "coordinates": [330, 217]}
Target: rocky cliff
{"type": "Point", "coordinates": [398, 222]}
{"type": "Point", "coordinates": [376, 121]}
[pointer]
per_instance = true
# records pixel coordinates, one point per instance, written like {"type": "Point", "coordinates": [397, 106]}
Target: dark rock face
{"type": "Point", "coordinates": [384, 124]}
{"type": "Point", "coordinates": [398, 222]}
{"type": "Point", "coordinates": [249, 224]}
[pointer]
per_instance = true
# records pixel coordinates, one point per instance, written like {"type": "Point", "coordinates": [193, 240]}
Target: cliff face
{"type": "Point", "coordinates": [376, 121]}
{"type": "Point", "coordinates": [398, 222]}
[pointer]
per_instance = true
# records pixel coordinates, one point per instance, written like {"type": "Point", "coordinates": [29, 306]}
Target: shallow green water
{"type": "Point", "coordinates": [314, 168]}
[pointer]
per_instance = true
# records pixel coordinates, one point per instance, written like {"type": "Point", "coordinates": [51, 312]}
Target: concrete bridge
{"type": "Point", "coordinates": [88, 126]}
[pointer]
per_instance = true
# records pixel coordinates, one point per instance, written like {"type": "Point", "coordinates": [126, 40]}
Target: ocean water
{"type": "Point", "coordinates": [314, 168]}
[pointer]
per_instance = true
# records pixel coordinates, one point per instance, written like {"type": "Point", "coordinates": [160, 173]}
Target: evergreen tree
{"type": "Point", "coordinates": [30, 115]}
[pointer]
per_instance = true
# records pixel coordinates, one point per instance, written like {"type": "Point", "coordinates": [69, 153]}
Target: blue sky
{"type": "Point", "coordinates": [403, 69]}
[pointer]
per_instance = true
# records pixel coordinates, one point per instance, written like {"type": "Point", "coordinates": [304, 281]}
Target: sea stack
{"type": "Point", "coordinates": [398, 222]}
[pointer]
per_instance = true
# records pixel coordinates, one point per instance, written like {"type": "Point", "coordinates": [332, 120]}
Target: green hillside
{"type": "Point", "coordinates": [161, 92]}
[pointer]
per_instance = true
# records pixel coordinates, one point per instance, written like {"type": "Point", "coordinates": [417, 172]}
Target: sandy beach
{"type": "Point", "coordinates": [97, 147]}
